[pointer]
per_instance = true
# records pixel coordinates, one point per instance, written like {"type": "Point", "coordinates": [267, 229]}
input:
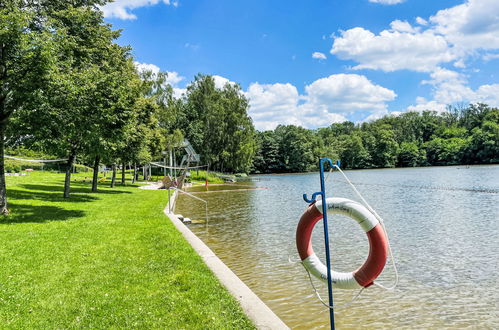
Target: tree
{"type": "Point", "coordinates": [216, 121]}
{"type": "Point", "coordinates": [267, 155]}
{"type": "Point", "coordinates": [89, 86]}
{"type": "Point", "coordinates": [411, 155]}
{"type": "Point", "coordinates": [296, 148]}
{"type": "Point", "coordinates": [354, 154]}
{"type": "Point", "coordinates": [381, 145]}
{"type": "Point", "coordinates": [25, 56]}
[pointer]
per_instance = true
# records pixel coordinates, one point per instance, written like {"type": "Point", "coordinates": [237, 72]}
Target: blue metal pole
{"type": "Point", "coordinates": [326, 239]}
{"type": "Point", "coordinates": [326, 234]}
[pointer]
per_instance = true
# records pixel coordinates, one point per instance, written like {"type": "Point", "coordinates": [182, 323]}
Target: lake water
{"type": "Point", "coordinates": [443, 224]}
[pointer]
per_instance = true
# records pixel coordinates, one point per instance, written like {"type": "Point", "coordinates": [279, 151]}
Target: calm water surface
{"type": "Point", "coordinates": [443, 224]}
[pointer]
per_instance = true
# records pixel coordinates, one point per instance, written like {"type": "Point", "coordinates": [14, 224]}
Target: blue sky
{"type": "Point", "coordinates": [311, 63]}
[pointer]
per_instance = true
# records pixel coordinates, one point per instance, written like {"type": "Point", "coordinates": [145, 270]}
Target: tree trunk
{"type": "Point", "coordinates": [145, 172]}
{"type": "Point", "coordinates": [123, 173]}
{"type": "Point", "coordinates": [113, 178]}
{"type": "Point", "coordinates": [134, 173]}
{"type": "Point", "coordinates": [67, 181]}
{"type": "Point", "coordinates": [96, 174]}
{"type": "Point", "coordinates": [3, 124]}
{"type": "Point", "coordinates": [3, 189]}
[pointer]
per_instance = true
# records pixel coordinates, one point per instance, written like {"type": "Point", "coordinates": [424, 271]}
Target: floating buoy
{"type": "Point", "coordinates": [378, 243]}
{"type": "Point", "coordinates": [187, 220]}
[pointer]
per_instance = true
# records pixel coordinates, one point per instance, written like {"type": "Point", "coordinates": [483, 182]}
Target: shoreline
{"type": "Point", "coordinates": [256, 310]}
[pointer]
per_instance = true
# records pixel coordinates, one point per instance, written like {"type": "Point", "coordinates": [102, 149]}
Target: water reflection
{"type": "Point", "coordinates": [443, 225]}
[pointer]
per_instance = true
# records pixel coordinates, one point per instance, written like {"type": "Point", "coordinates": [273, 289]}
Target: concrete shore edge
{"type": "Point", "coordinates": [261, 315]}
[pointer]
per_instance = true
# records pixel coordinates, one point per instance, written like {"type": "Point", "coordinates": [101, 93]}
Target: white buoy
{"type": "Point", "coordinates": [187, 220]}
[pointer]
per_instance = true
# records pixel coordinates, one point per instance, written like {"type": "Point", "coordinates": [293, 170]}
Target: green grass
{"type": "Point", "coordinates": [105, 260]}
{"type": "Point", "coordinates": [199, 176]}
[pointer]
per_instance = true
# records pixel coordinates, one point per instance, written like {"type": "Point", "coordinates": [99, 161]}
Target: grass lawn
{"type": "Point", "coordinates": [108, 259]}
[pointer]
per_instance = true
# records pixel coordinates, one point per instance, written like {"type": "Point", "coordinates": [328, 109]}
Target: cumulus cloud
{"type": "Point", "coordinates": [421, 21]}
{"type": "Point", "coordinates": [402, 26]}
{"type": "Point", "coordinates": [451, 87]}
{"type": "Point", "coordinates": [392, 49]}
{"type": "Point", "coordinates": [273, 104]}
{"type": "Point", "coordinates": [319, 56]}
{"type": "Point", "coordinates": [387, 2]}
{"type": "Point", "coordinates": [172, 78]}
{"type": "Point", "coordinates": [451, 35]}
{"type": "Point", "coordinates": [423, 105]}
{"type": "Point", "coordinates": [144, 67]}
{"type": "Point", "coordinates": [470, 26]}
{"type": "Point", "coordinates": [122, 8]}
{"type": "Point", "coordinates": [220, 81]}
{"type": "Point", "coordinates": [325, 101]}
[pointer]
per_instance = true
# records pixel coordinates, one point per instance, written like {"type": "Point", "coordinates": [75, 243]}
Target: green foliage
{"type": "Point", "coordinates": [460, 136]}
{"type": "Point", "coordinates": [200, 176]}
{"type": "Point", "coordinates": [411, 155]}
{"type": "Point", "coordinates": [216, 121]}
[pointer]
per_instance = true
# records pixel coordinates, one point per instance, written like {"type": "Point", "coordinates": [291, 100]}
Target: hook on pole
{"type": "Point", "coordinates": [314, 197]}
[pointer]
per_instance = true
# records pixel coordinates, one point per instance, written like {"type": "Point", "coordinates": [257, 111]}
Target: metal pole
{"type": "Point", "coordinates": [326, 239]}
{"type": "Point", "coordinates": [164, 162]}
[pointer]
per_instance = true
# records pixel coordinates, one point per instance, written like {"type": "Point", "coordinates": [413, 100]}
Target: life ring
{"type": "Point", "coordinates": [378, 243]}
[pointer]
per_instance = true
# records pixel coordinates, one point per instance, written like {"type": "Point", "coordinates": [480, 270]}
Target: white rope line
{"type": "Point", "coordinates": [326, 304]}
{"type": "Point", "coordinates": [37, 160]}
{"type": "Point", "coordinates": [177, 168]}
{"type": "Point", "coordinates": [382, 225]}
{"type": "Point", "coordinates": [199, 199]}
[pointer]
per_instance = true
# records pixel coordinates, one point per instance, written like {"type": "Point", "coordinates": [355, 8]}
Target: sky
{"type": "Point", "coordinates": [312, 63]}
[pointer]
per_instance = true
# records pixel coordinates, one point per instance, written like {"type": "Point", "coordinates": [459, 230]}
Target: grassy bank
{"type": "Point", "coordinates": [109, 259]}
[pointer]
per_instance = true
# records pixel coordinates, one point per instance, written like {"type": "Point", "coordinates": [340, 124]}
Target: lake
{"type": "Point", "coordinates": [443, 224]}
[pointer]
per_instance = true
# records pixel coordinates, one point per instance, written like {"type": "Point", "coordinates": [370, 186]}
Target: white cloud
{"type": "Point", "coordinates": [488, 94]}
{"type": "Point", "coordinates": [450, 87]}
{"type": "Point", "coordinates": [421, 21]}
{"type": "Point", "coordinates": [273, 104]}
{"type": "Point", "coordinates": [220, 81]}
{"type": "Point", "coordinates": [144, 67]}
{"type": "Point", "coordinates": [387, 2]}
{"type": "Point", "coordinates": [451, 35]}
{"type": "Point", "coordinates": [193, 47]}
{"type": "Point", "coordinates": [325, 101]}
{"type": "Point", "coordinates": [422, 105]}
{"type": "Point", "coordinates": [402, 26]}
{"type": "Point", "coordinates": [488, 57]}
{"type": "Point", "coordinates": [122, 8]}
{"type": "Point", "coordinates": [470, 26]}
{"type": "Point", "coordinates": [319, 56]}
{"type": "Point", "coordinates": [179, 92]}
{"type": "Point", "coordinates": [347, 93]}
{"type": "Point", "coordinates": [392, 50]}
{"type": "Point", "coordinates": [172, 78]}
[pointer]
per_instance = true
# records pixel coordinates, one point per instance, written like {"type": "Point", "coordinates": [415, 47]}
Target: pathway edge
{"type": "Point", "coordinates": [258, 312]}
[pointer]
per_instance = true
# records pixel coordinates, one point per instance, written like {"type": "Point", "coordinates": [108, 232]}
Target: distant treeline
{"type": "Point", "coordinates": [460, 136]}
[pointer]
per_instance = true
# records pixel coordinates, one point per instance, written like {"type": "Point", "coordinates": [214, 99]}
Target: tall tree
{"type": "Point", "coordinates": [25, 56]}
{"type": "Point", "coordinates": [88, 88]}
{"type": "Point", "coordinates": [216, 121]}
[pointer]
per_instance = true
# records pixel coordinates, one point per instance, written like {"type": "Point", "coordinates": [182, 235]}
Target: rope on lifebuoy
{"type": "Point", "coordinates": [382, 222]}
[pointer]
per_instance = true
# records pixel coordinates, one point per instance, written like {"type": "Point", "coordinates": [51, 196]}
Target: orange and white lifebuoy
{"type": "Point", "coordinates": [378, 243]}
